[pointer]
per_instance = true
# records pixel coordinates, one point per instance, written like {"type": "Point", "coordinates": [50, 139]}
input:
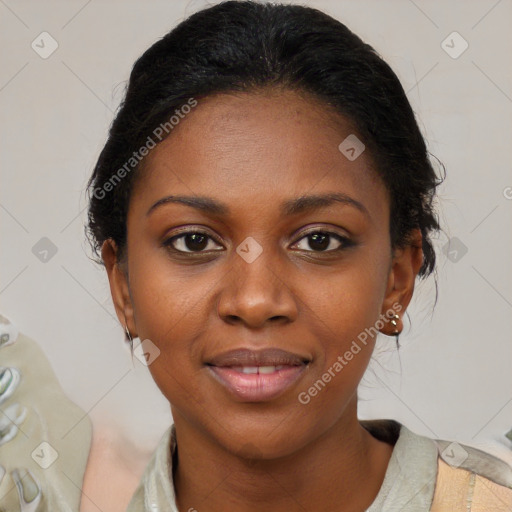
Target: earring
{"type": "Point", "coordinates": [129, 337]}
{"type": "Point", "coordinates": [396, 332]}
{"type": "Point", "coordinates": [394, 323]}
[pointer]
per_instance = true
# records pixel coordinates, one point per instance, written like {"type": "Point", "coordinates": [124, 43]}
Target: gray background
{"type": "Point", "coordinates": [452, 377]}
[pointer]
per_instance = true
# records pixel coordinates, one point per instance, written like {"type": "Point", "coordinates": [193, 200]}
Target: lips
{"type": "Point", "coordinates": [257, 375]}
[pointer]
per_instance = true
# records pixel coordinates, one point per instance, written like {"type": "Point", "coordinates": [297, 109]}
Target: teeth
{"type": "Point", "coordinates": [257, 369]}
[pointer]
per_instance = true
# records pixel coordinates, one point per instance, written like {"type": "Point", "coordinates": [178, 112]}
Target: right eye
{"type": "Point", "coordinates": [191, 242]}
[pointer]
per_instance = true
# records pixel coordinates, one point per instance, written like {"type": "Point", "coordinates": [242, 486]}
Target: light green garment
{"type": "Point", "coordinates": [408, 485]}
{"type": "Point", "coordinates": [45, 438]}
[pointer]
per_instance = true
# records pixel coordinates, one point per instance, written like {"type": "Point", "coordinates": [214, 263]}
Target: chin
{"type": "Point", "coordinates": [264, 440]}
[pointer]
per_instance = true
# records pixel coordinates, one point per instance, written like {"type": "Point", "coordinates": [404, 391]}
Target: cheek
{"type": "Point", "coordinates": [349, 310]}
{"type": "Point", "coordinates": [347, 345]}
{"type": "Point", "coordinates": [352, 301]}
{"type": "Point", "coordinates": [164, 299]}
{"type": "Point", "coordinates": [169, 310]}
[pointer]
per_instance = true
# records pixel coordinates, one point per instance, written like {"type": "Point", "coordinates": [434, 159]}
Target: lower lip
{"type": "Point", "coordinates": [256, 387]}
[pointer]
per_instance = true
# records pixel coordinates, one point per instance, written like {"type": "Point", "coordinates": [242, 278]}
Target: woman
{"type": "Point", "coordinates": [263, 208]}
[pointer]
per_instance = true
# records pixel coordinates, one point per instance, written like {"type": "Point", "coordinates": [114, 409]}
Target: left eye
{"type": "Point", "coordinates": [191, 241]}
{"type": "Point", "coordinates": [323, 241]}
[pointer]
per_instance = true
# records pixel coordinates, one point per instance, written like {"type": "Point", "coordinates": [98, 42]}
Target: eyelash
{"type": "Point", "coordinates": [344, 241]}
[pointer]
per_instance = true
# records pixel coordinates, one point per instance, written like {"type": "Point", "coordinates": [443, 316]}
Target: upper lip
{"type": "Point", "coordinates": [262, 357]}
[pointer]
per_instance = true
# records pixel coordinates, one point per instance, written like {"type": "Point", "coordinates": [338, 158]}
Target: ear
{"type": "Point", "coordinates": [119, 286]}
{"type": "Point", "coordinates": [405, 265]}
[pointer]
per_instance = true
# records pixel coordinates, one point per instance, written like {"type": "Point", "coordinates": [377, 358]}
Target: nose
{"type": "Point", "coordinates": [256, 293]}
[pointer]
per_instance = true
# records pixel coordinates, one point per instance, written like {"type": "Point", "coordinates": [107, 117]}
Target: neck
{"type": "Point", "coordinates": [343, 470]}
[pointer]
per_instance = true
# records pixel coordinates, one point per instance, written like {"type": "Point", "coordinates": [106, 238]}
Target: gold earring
{"type": "Point", "coordinates": [394, 323]}
{"type": "Point", "coordinates": [396, 332]}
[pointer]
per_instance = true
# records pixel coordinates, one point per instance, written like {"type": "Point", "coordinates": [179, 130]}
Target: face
{"type": "Point", "coordinates": [257, 254]}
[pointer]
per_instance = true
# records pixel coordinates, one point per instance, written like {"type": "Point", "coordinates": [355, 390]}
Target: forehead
{"type": "Point", "coordinates": [253, 150]}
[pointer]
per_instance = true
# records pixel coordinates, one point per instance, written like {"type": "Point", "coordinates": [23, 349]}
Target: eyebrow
{"type": "Point", "coordinates": [302, 204]}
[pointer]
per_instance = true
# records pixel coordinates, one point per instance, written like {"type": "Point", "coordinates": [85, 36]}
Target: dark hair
{"type": "Point", "coordinates": [241, 46]}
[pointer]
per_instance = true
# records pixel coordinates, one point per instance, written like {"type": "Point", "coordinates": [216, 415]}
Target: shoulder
{"type": "Point", "coordinates": [435, 475]}
{"type": "Point", "coordinates": [469, 479]}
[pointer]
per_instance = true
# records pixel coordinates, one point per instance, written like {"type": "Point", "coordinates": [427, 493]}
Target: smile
{"type": "Point", "coordinates": [257, 376]}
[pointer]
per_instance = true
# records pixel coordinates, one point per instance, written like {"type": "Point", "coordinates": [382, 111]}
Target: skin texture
{"type": "Point", "coordinates": [253, 151]}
